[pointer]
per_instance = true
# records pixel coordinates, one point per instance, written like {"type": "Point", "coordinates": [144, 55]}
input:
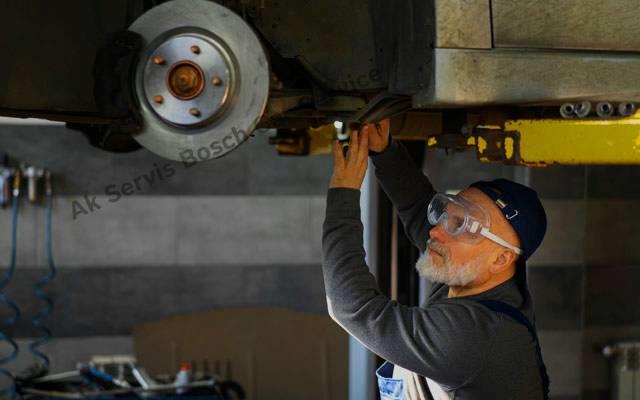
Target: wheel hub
{"type": "Point", "coordinates": [202, 82]}
{"type": "Point", "coordinates": [192, 76]}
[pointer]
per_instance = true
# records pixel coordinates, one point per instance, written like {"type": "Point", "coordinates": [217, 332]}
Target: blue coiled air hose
{"type": "Point", "coordinates": [9, 392]}
{"type": "Point", "coordinates": [37, 322]}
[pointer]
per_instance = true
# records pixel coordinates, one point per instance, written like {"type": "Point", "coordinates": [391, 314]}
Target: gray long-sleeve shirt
{"type": "Point", "coordinates": [469, 350]}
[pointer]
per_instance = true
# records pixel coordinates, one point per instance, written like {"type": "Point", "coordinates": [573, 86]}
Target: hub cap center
{"type": "Point", "coordinates": [185, 80]}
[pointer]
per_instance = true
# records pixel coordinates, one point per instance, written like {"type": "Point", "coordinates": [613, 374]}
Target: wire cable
{"type": "Point", "coordinates": [39, 291]}
{"type": "Point", "coordinates": [9, 392]}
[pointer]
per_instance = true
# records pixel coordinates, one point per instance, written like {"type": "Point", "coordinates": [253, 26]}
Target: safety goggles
{"type": "Point", "coordinates": [463, 220]}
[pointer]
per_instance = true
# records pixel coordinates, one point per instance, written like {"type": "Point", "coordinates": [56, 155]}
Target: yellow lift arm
{"type": "Point", "coordinates": [542, 142]}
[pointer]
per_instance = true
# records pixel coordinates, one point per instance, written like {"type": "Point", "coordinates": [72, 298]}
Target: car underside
{"type": "Point", "coordinates": [194, 78]}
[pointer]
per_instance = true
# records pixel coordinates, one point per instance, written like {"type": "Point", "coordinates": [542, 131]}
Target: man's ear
{"type": "Point", "coordinates": [502, 261]}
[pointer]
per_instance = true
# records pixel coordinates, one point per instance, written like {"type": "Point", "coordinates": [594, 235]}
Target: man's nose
{"type": "Point", "coordinates": [438, 233]}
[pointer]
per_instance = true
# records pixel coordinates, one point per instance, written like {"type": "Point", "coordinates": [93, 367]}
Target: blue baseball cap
{"type": "Point", "coordinates": [522, 208]}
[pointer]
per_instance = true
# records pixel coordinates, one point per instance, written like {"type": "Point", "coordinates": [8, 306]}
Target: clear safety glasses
{"type": "Point", "coordinates": [464, 220]}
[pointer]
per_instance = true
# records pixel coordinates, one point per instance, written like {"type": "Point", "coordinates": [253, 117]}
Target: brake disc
{"type": "Point", "coordinates": [202, 80]}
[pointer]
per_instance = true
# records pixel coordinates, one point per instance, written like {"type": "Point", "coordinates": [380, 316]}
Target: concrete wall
{"type": "Point", "coordinates": [241, 231]}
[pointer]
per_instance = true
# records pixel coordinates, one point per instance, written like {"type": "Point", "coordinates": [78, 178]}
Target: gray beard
{"type": "Point", "coordinates": [448, 273]}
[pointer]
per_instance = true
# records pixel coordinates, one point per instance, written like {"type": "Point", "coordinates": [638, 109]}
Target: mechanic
{"type": "Point", "coordinates": [474, 338]}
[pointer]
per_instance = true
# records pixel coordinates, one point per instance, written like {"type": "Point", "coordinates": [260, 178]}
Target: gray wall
{"type": "Point", "coordinates": [241, 231]}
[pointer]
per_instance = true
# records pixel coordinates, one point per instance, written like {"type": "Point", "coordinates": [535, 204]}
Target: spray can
{"type": "Point", "coordinates": [182, 378]}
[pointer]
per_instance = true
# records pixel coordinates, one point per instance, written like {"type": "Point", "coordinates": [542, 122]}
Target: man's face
{"type": "Point", "coordinates": [457, 263]}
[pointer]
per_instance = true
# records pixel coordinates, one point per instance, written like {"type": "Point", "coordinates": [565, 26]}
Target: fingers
{"type": "Point", "coordinates": [338, 157]}
{"type": "Point", "coordinates": [354, 145]}
{"type": "Point", "coordinates": [349, 171]}
{"type": "Point", "coordinates": [384, 126]}
{"type": "Point", "coordinates": [363, 150]}
{"type": "Point", "coordinates": [368, 127]}
{"type": "Point", "coordinates": [381, 128]}
{"type": "Point", "coordinates": [358, 150]}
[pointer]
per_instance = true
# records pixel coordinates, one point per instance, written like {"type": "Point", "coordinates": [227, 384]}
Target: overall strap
{"type": "Point", "coordinates": [518, 316]}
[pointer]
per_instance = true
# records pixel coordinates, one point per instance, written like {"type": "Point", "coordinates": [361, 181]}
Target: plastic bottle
{"type": "Point", "coordinates": [182, 378]}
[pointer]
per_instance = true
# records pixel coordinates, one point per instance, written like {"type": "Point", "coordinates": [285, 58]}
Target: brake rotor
{"type": "Point", "coordinates": [202, 81]}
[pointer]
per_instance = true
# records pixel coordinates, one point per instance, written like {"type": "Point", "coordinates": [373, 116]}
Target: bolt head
{"type": "Point", "coordinates": [195, 49]}
{"type": "Point", "coordinates": [158, 60]}
{"type": "Point", "coordinates": [216, 81]}
{"type": "Point", "coordinates": [158, 99]}
{"type": "Point", "coordinates": [195, 112]}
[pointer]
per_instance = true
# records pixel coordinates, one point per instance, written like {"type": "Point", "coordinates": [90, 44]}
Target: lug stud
{"type": "Point", "coordinates": [216, 81]}
{"type": "Point", "coordinates": [158, 60]}
{"type": "Point", "coordinates": [195, 49]}
{"type": "Point", "coordinates": [158, 99]}
{"type": "Point", "coordinates": [195, 112]}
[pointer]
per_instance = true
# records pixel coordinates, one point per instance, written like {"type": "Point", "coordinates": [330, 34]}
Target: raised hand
{"type": "Point", "coordinates": [378, 135]}
{"type": "Point", "coordinates": [349, 170]}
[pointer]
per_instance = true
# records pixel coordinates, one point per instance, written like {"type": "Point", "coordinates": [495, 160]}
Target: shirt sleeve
{"type": "Point", "coordinates": [408, 188]}
{"type": "Point", "coordinates": [446, 341]}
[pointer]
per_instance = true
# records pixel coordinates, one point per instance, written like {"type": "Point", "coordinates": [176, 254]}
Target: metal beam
{"type": "Point", "coordinates": [544, 142]}
{"type": "Point", "coordinates": [463, 78]}
{"type": "Point", "coordinates": [573, 142]}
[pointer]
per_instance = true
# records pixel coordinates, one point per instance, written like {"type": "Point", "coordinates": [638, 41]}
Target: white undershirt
{"type": "Point", "coordinates": [412, 389]}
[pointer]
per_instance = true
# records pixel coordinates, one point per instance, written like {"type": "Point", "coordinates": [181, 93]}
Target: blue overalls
{"type": "Point", "coordinates": [394, 389]}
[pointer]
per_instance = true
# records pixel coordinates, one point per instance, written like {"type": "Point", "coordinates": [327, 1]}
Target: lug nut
{"type": "Point", "coordinates": [195, 112]}
{"type": "Point", "coordinates": [216, 81]}
{"type": "Point", "coordinates": [158, 60]}
{"type": "Point", "coordinates": [158, 99]}
{"type": "Point", "coordinates": [195, 49]}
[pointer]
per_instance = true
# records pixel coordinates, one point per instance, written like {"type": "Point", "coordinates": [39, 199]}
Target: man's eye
{"type": "Point", "coordinates": [457, 221]}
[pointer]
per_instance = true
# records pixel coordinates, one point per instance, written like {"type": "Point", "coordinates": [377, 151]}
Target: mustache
{"type": "Point", "coordinates": [437, 247]}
